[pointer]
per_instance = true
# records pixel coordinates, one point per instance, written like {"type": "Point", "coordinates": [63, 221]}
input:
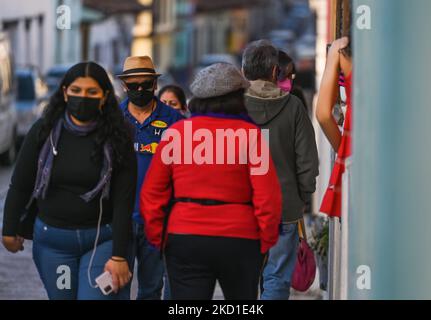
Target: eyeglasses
{"type": "Point", "coordinates": [134, 86]}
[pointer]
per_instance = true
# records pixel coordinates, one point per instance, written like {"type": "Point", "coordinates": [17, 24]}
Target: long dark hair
{"type": "Point", "coordinates": [284, 60]}
{"type": "Point", "coordinates": [111, 127]}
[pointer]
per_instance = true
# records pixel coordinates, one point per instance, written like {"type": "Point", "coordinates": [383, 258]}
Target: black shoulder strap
{"type": "Point", "coordinates": [165, 226]}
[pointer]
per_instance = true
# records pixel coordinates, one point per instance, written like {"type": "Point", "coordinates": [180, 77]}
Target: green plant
{"type": "Point", "coordinates": [320, 242]}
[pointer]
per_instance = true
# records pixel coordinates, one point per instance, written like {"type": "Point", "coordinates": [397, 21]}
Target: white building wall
{"type": "Point", "coordinates": [40, 46]}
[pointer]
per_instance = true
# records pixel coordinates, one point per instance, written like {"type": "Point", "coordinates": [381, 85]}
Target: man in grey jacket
{"type": "Point", "coordinates": [293, 148]}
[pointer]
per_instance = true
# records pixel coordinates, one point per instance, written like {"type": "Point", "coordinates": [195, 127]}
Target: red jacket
{"type": "Point", "coordinates": [232, 183]}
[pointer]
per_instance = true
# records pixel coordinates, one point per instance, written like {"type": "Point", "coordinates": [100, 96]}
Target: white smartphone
{"type": "Point", "coordinates": [104, 282]}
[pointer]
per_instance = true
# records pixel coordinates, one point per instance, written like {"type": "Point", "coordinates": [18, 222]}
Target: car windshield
{"type": "Point", "coordinates": [26, 90]}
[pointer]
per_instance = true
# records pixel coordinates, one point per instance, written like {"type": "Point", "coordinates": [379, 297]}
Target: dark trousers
{"type": "Point", "coordinates": [150, 266]}
{"type": "Point", "coordinates": [194, 263]}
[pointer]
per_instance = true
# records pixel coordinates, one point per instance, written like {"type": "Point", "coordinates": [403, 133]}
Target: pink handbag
{"type": "Point", "coordinates": [305, 267]}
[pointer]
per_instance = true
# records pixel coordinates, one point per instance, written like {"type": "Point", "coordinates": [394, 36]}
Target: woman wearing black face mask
{"type": "Point", "coordinates": [83, 109]}
{"type": "Point", "coordinates": [78, 166]}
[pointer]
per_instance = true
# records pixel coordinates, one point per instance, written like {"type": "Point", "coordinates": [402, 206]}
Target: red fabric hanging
{"type": "Point", "coordinates": [331, 203]}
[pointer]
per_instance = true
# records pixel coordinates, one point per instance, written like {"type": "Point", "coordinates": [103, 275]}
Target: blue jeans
{"type": "Point", "coordinates": [62, 257]}
{"type": "Point", "coordinates": [150, 266]}
{"type": "Point", "coordinates": [278, 271]}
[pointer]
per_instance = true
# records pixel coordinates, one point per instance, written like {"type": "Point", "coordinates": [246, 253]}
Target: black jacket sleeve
{"type": "Point", "coordinates": [22, 182]}
{"type": "Point", "coordinates": [123, 190]}
{"type": "Point", "coordinates": [307, 162]}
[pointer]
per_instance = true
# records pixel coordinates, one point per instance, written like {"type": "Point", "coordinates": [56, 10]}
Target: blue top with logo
{"type": "Point", "coordinates": [147, 137]}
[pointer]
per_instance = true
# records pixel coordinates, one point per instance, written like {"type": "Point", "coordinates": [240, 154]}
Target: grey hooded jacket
{"type": "Point", "coordinates": [293, 148]}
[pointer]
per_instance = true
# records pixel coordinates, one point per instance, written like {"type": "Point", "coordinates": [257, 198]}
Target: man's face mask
{"type": "Point", "coordinates": [140, 94]}
{"type": "Point", "coordinates": [83, 108]}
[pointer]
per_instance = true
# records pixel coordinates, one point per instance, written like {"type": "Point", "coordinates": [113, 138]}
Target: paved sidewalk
{"type": "Point", "coordinates": [19, 279]}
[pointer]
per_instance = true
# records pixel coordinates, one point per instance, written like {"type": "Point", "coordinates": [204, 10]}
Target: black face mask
{"type": "Point", "coordinates": [83, 108]}
{"type": "Point", "coordinates": [140, 98]}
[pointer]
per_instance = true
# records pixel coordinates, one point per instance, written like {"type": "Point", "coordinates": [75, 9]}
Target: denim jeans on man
{"type": "Point", "coordinates": [278, 271]}
{"type": "Point", "coordinates": [150, 266]}
{"type": "Point", "coordinates": [62, 257]}
{"type": "Point", "coordinates": [147, 135]}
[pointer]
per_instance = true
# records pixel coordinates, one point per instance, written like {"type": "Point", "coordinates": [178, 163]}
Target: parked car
{"type": "Point", "coordinates": [31, 99]}
{"type": "Point", "coordinates": [8, 118]}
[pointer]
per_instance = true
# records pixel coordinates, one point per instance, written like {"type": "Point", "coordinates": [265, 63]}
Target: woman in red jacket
{"type": "Point", "coordinates": [218, 172]}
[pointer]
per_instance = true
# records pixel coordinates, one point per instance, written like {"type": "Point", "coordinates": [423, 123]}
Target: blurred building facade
{"type": "Point", "coordinates": [215, 27]}
{"type": "Point", "coordinates": [176, 33]}
{"type": "Point", "coordinates": [35, 39]}
{"type": "Point", "coordinates": [109, 30]}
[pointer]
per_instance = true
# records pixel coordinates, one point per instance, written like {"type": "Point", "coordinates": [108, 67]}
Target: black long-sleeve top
{"type": "Point", "coordinates": [74, 173]}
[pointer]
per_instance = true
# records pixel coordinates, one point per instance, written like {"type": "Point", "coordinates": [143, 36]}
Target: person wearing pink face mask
{"type": "Point", "coordinates": [287, 76]}
{"type": "Point", "coordinates": [293, 148]}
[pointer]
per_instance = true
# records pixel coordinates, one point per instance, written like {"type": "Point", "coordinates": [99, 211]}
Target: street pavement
{"type": "Point", "coordinates": [18, 275]}
{"type": "Point", "coordinates": [19, 279]}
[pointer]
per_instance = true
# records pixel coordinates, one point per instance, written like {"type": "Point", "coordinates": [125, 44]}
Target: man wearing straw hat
{"type": "Point", "coordinates": [150, 118]}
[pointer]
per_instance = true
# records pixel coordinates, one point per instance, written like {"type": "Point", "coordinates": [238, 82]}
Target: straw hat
{"type": "Point", "coordinates": [138, 66]}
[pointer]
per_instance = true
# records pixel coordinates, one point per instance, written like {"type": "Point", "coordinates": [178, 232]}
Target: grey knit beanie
{"type": "Point", "coordinates": [217, 80]}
